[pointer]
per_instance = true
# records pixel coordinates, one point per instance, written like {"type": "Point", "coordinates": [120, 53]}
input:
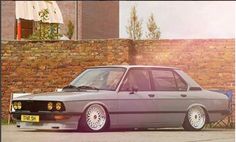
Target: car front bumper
{"type": "Point", "coordinates": [67, 121]}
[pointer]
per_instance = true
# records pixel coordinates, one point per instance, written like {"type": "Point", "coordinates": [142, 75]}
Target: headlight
{"type": "Point", "coordinates": [15, 105]}
{"type": "Point", "coordinates": [50, 105]}
{"type": "Point", "coordinates": [19, 105]}
{"type": "Point", "coordinates": [58, 106]}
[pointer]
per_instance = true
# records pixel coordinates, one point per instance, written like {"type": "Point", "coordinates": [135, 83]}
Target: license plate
{"type": "Point", "coordinates": [30, 118]}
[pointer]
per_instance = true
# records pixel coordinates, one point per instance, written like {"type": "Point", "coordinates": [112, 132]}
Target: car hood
{"type": "Point", "coordinates": [64, 96]}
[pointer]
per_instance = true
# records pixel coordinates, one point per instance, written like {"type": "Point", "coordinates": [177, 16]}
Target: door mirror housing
{"type": "Point", "coordinates": [133, 89]}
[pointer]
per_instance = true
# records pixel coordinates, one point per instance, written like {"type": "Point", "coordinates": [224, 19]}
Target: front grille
{"type": "Point", "coordinates": [35, 106]}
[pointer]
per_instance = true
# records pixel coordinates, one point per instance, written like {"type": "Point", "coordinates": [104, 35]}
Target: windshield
{"type": "Point", "coordinates": [99, 78]}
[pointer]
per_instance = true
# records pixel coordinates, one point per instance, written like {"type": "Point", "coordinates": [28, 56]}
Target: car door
{"type": "Point", "coordinates": [135, 99]}
{"type": "Point", "coordinates": [171, 97]}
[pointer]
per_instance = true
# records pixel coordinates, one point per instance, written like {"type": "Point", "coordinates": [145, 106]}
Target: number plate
{"type": "Point", "coordinates": [30, 118]}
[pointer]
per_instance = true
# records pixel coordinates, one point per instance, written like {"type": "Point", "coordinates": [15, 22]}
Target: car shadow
{"type": "Point", "coordinates": [126, 130]}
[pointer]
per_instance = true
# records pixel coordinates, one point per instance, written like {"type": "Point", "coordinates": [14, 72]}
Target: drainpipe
{"type": "Point", "coordinates": [76, 20]}
{"type": "Point", "coordinates": [18, 29]}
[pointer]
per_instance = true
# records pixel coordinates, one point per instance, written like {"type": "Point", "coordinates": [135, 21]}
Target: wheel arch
{"type": "Point", "coordinates": [95, 102]}
{"type": "Point", "coordinates": [196, 104]}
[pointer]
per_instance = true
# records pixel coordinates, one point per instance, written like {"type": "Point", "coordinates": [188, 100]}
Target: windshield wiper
{"type": "Point", "coordinates": [72, 88]}
{"type": "Point", "coordinates": [87, 87]}
{"type": "Point", "coordinates": [69, 87]}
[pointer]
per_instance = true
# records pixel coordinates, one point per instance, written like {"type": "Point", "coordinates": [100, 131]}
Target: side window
{"type": "Point", "coordinates": [137, 78]}
{"type": "Point", "coordinates": [163, 80]}
{"type": "Point", "coordinates": [181, 85]}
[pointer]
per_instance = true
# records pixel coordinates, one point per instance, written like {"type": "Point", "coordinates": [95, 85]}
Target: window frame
{"type": "Point", "coordinates": [128, 72]}
{"type": "Point", "coordinates": [175, 73]}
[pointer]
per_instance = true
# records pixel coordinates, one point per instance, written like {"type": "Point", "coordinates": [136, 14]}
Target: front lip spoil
{"type": "Point", "coordinates": [46, 116]}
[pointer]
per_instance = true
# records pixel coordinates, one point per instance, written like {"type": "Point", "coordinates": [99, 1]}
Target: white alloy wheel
{"type": "Point", "coordinates": [196, 117]}
{"type": "Point", "coordinates": [96, 117]}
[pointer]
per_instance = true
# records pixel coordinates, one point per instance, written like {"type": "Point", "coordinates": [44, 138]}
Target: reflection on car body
{"type": "Point", "coordinates": [123, 96]}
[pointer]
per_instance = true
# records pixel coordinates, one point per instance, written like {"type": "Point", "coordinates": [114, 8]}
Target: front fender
{"type": "Point", "coordinates": [95, 102]}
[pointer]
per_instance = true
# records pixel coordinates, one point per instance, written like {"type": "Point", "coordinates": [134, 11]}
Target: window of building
{"type": "Point", "coordinates": [29, 27]}
{"type": "Point", "coordinates": [26, 28]}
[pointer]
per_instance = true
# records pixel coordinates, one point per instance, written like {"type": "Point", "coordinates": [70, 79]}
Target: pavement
{"type": "Point", "coordinates": [12, 134]}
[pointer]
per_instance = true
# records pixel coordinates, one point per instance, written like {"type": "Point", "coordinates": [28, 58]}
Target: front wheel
{"type": "Point", "coordinates": [94, 119]}
{"type": "Point", "coordinates": [195, 119]}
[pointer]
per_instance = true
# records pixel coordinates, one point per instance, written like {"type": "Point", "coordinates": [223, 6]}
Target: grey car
{"type": "Point", "coordinates": [123, 96]}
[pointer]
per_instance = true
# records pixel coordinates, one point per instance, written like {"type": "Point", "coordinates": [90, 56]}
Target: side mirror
{"type": "Point", "coordinates": [133, 89]}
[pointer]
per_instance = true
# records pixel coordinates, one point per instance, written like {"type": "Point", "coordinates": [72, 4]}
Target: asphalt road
{"type": "Point", "coordinates": [11, 134]}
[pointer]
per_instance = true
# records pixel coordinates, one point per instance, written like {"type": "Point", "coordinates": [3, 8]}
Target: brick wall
{"type": "Point", "coordinates": [209, 62]}
{"type": "Point", "coordinates": [43, 66]}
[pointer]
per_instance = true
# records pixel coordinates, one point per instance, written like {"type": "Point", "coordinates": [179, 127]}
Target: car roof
{"type": "Point", "coordinates": [134, 66]}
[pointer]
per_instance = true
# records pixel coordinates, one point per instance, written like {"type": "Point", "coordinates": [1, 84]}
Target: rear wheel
{"type": "Point", "coordinates": [195, 119]}
{"type": "Point", "coordinates": [95, 118]}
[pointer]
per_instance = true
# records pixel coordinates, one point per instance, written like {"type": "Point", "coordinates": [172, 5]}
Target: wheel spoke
{"type": "Point", "coordinates": [96, 117]}
{"type": "Point", "coordinates": [196, 117]}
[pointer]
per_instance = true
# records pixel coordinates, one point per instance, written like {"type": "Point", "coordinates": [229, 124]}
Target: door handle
{"type": "Point", "coordinates": [151, 95]}
{"type": "Point", "coordinates": [183, 95]}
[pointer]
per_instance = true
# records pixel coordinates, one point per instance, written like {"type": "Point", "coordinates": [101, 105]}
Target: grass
{"type": "Point", "coordinates": [5, 122]}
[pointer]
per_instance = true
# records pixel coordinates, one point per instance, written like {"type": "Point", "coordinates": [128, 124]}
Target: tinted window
{"type": "Point", "coordinates": [181, 85]}
{"type": "Point", "coordinates": [163, 80]}
{"type": "Point", "coordinates": [138, 79]}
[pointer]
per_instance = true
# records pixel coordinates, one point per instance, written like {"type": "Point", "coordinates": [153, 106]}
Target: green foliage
{"type": "Point", "coordinates": [134, 27]}
{"type": "Point", "coordinates": [70, 29]}
{"type": "Point", "coordinates": [43, 30]}
{"type": "Point", "coordinates": [153, 30]}
{"type": "Point", "coordinates": [5, 122]}
{"type": "Point", "coordinates": [44, 15]}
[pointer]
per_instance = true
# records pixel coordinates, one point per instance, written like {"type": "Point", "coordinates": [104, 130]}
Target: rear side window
{"type": "Point", "coordinates": [181, 85]}
{"type": "Point", "coordinates": [137, 78]}
{"type": "Point", "coordinates": [163, 80]}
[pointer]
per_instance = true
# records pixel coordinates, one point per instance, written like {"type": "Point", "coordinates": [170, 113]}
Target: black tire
{"type": "Point", "coordinates": [187, 125]}
{"type": "Point", "coordinates": [84, 126]}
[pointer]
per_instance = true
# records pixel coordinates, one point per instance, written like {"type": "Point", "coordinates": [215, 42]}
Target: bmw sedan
{"type": "Point", "coordinates": [123, 96]}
